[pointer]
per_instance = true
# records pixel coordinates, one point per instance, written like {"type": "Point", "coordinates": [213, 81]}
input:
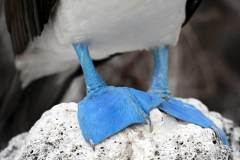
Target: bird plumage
{"type": "Point", "coordinates": [45, 31]}
{"type": "Point", "coordinates": [108, 27]}
{"type": "Point", "coordinates": [112, 26]}
{"type": "Point", "coordinates": [26, 19]}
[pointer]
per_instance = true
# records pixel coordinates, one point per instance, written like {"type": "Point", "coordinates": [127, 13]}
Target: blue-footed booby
{"type": "Point", "coordinates": [97, 29]}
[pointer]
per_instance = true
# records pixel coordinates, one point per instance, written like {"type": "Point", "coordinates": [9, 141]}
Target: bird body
{"type": "Point", "coordinates": [112, 26]}
{"type": "Point", "coordinates": [109, 26]}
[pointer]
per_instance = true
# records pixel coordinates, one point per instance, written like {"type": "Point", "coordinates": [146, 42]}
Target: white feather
{"type": "Point", "coordinates": [109, 26]}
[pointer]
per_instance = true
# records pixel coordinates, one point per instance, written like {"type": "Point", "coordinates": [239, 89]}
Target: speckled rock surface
{"type": "Point", "coordinates": [57, 136]}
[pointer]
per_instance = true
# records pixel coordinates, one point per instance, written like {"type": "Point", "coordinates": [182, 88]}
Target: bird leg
{"type": "Point", "coordinates": [172, 106]}
{"type": "Point", "coordinates": [107, 110]}
{"type": "Point", "coordinates": [160, 78]}
{"type": "Point", "coordinates": [92, 78]}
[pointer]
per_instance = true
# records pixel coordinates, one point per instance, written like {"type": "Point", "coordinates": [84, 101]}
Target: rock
{"type": "Point", "coordinates": [14, 147]}
{"type": "Point", "coordinates": [57, 136]}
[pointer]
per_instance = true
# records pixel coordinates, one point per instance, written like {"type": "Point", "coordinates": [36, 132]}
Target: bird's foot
{"type": "Point", "coordinates": [109, 110]}
{"type": "Point", "coordinates": [149, 122]}
{"type": "Point", "coordinates": [188, 113]}
{"type": "Point", "coordinates": [171, 105]}
{"type": "Point", "coordinates": [92, 145]}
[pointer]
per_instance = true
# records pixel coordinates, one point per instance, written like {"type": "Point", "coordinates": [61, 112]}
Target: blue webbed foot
{"type": "Point", "coordinates": [188, 113]}
{"type": "Point", "coordinates": [112, 109]}
{"type": "Point", "coordinates": [172, 106]}
{"type": "Point", "coordinates": [106, 110]}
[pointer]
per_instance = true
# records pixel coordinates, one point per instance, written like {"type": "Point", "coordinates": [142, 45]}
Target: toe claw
{"type": "Point", "coordinates": [149, 122]}
{"type": "Point", "coordinates": [92, 145]}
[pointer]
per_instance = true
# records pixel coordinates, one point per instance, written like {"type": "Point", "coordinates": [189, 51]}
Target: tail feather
{"type": "Point", "coordinates": [189, 113]}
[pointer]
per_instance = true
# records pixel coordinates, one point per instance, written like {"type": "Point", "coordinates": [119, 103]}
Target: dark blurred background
{"type": "Point", "coordinates": [205, 65]}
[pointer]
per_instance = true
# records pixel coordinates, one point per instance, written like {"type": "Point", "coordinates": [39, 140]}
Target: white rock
{"type": "Point", "coordinates": [14, 147]}
{"type": "Point", "coordinates": [57, 136]}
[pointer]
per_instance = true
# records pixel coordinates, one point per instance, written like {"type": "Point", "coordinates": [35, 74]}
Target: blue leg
{"type": "Point", "coordinates": [171, 105]}
{"type": "Point", "coordinates": [106, 110]}
{"type": "Point", "coordinates": [159, 84]}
